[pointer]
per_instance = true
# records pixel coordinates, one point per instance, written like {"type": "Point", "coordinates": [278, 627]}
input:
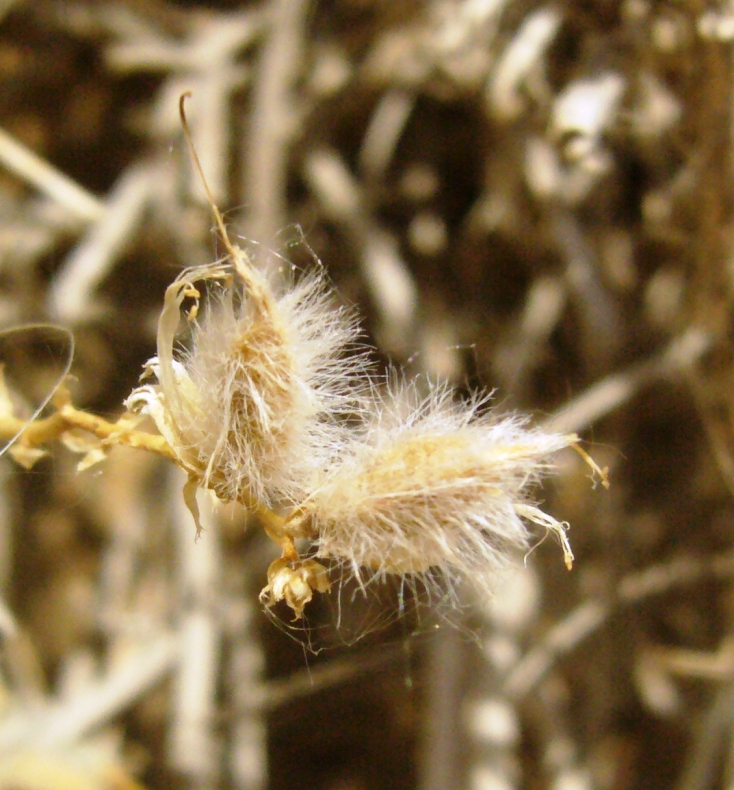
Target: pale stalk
{"type": "Point", "coordinates": [44, 431]}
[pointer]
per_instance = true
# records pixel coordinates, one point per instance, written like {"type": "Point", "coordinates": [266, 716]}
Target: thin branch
{"type": "Point", "coordinates": [616, 390]}
{"type": "Point", "coordinates": [589, 616]}
{"type": "Point", "coordinates": [272, 119]}
{"type": "Point", "coordinates": [66, 721]}
{"type": "Point", "coordinates": [192, 741]}
{"type": "Point", "coordinates": [52, 182]}
{"type": "Point", "coordinates": [87, 266]}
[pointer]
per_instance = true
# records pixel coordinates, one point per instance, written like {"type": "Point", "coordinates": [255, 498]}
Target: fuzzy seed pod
{"type": "Point", "coordinates": [253, 408]}
{"type": "Point", "coordinates": [432, 486]}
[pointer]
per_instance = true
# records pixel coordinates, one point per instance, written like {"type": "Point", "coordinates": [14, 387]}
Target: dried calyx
{"type": "Point", "coordinates": [255, 410]}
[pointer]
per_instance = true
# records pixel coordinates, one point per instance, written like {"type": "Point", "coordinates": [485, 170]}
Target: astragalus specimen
{"type": "Point", "coordinates": [431, 486]}
{"type": "Point", "coordinates": [270, 401]}
{"type": "Point", "coordinates": [257, 410]}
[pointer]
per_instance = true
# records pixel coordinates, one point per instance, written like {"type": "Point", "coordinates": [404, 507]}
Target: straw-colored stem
{"type": "Point", "coordinates": [67, 417]}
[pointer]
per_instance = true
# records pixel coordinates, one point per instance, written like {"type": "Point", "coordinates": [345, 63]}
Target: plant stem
{"type": "Point", "coordinates": [67, 417]}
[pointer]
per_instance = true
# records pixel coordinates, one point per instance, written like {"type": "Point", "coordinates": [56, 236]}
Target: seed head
{"type": "Point", "coordinates": [254, 406]}
{"type": "Point", "coordinates": [257, 407]}
{"type": "Point", "coordinates": [433, 485]}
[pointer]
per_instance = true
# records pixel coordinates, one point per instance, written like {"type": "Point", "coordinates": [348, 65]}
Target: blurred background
{"type": "Point", "coordinates": [527, 197]}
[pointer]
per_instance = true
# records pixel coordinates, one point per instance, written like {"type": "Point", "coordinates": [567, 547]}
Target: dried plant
{"type": "Point", "coordinates": [431, 483]}
{"type": "Point", "coordinates": [535, 196]}
{"type": "Point", "coordinates": [254, 408]}
{"type": "Point", "coordinates": [273, 405]}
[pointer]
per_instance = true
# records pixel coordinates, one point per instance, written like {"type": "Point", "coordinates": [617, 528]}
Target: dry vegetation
{"type": "Point", "coordinates": [530, 197]}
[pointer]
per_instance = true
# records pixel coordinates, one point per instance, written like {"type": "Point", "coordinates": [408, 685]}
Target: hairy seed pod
{"type": "Point", "coordinates": [433, 485]}
{"type": "Point", "coordinates": [254, 406]}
